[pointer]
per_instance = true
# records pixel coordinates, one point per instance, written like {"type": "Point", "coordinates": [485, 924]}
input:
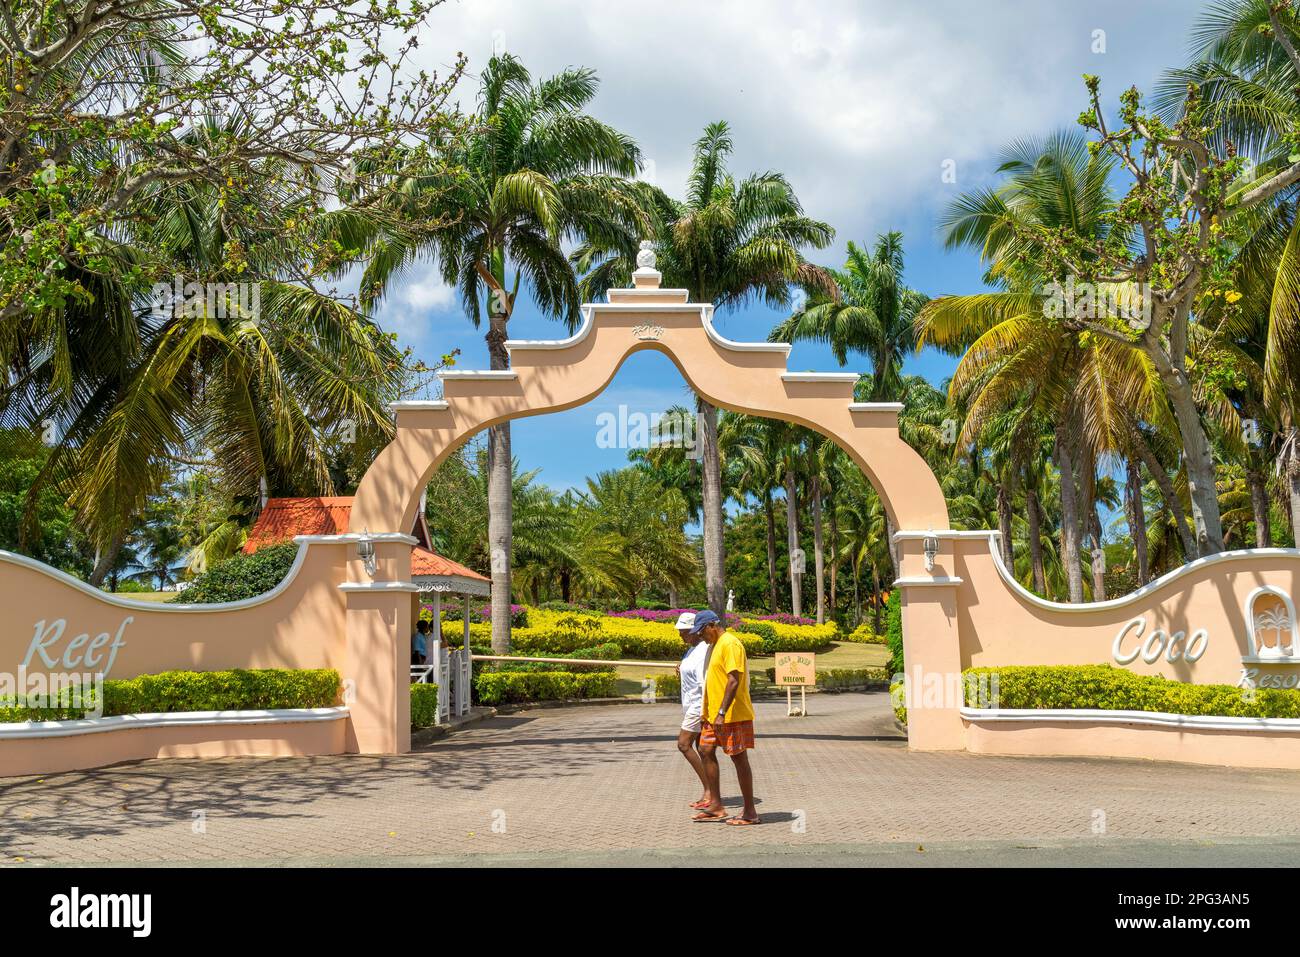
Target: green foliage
{"type": "Point", "coordinates": [894, 631]}
{"type": "Point", "coordinates": [1107, 688]}
{"type": "Point", "coordinates": [506, 687]}
{"type": "Point", "coordinates": [172, 691]}
{"type": "Point", "coordinates": [845, 679]}
{"type": "Point", "coordinates": [863, 634]}
{"type": "Point", "coordinates": [765, 632]}
{"type": "Point", "coordinates": [241, 576]}
{"type": "Point", "coordinates": [668, 685]}
{"type": "Point", "coordinates": [777, 636]}
{"type": "Point", "coordinates": [568, 607]}
{"type": "Point", "coordinates": [424, 705]}
{"type": "Point", "coordinates": [55, 537]}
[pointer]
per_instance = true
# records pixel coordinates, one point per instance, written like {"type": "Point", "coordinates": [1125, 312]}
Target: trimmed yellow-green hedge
{"type": "Point", "coordinates": [864, 635]}
{"type": "Point", "coordinates": [835, 679]}
{"type": "Point", "coordinates": [424, 705]}
{"type": "Point", "coordinates": [1107, 688]}
{"type": "Point", "coordinates": [561, 633]}
{"type": "Point", "coordinates": [171, 691]}
{"type": "Point", "coordinates": [506, 687]}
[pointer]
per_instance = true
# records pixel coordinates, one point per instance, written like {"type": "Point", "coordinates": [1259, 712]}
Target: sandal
{"type": "Point", "coordinates": [705, 816]}
{"type": "Point", "coordinates": [739, 821]}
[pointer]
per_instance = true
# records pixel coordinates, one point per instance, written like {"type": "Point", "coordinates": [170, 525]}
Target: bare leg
{"type": "Point", "coordinates": [686, 744]}
{"type": "Point", "coordinates": [745, 775]}
{"type": "Point", "coordinates": [709, 759]}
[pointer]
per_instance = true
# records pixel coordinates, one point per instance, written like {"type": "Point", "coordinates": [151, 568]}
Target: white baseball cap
{"type": "Point", "coordinates": [685, 621]}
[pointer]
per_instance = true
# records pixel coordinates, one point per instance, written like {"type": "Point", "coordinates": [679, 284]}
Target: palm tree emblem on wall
{"type": "Point", "coordinates": [1276, 619]}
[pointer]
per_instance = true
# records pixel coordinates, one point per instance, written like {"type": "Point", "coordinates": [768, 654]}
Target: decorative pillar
{"type": "Point", "coordinates": [931, 645]}
{"type": "Point", "coordinates": [380, 619]}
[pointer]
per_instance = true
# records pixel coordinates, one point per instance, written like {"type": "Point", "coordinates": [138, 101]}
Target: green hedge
{"type": "Point", "coordinates": [505, 687]}
{"type": "Point", "coordinates": [864, 635]}
{"type": "Point", "coordinates": [668, 686]}
{"type": "Point", "coordinates": [648, 647]}
{"type": "Point", "coordinates": [894, 631]}
{"type": "Point", "coordinates": [241, 576]}
{"type": "Point", "coordinates": [424, 705]}
{"type": "Point", "coordinates": [1107, 688]}
{"type": "Point", "coordinates": [834, 679]}
{"type": "Point", "coordinates": [172, 691]}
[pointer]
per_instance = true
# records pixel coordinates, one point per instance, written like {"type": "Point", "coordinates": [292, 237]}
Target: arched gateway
{"type": "Point", "coordinates": [553, 375]}
{"type": "Point", "coordinates": [349, 601]}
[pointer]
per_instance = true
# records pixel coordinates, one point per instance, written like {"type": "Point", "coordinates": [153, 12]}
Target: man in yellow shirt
{"type": "Point", "coordinates": [728, 719]}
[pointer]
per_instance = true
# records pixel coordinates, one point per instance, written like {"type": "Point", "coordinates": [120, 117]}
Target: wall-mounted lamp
{"type": "Point", "coordinates": [931, 550]}
{"type": "Point", "coordinates": [366, 552]}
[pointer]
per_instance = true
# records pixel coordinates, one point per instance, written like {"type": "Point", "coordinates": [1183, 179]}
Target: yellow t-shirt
{"type": "Point", "coordinates": [726, 656]}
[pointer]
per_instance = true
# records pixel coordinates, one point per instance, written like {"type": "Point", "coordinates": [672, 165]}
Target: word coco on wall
{"type": "Point", "coordinates": [80, 651]}
{"type": "Point", "coordinates": [1174, 647]}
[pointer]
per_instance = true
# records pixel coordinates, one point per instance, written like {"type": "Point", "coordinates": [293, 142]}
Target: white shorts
{"type": "Point", "coordinates": [691, 722]}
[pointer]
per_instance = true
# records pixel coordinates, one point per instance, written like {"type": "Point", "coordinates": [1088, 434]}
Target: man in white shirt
{"type": "Point", "coordinates": [691, 672]}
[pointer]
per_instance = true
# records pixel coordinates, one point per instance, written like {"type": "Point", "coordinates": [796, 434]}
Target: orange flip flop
{"type": "Point", "coordinates": [743, 822]}
{"type": "Point", "coordinates": [705, 817]}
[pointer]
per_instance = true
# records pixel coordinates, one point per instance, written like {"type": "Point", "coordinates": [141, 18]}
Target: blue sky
{"type": "Point", "coordinates": [860, 104]}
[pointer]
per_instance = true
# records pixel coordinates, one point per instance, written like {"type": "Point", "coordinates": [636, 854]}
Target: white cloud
{"type": "Point", "coordinates": [857, 101]}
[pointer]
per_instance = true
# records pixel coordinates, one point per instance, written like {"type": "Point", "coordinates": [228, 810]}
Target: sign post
{"type": "Point", "coordinates": [796, 669]}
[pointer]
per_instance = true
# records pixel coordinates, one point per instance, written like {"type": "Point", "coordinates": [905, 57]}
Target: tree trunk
{"type": "Point", "coordinates": [792, 544]}
{"type": "Point", "coordinates": [1198, 460]}
{"type": "Point", "coordinates": [1167, 492]}
{"type": "Point", "coordinates": [500, 500]}
{"type": "Point", "coordinates": [835, 547]}
{"type": "Point", "coordinates": [857, 597]}
{"type": "Point", "coordinates": [1259, 504]}
{"type": "Point", "coordinates": [768, 511]}
{"type": "Point", "coordinates": [1137, 521]}
{"type": "Point", "coordinates": [876, 603]}
{"type": "Point", "coordinates": [1098, 555]}
{"type": "Point", "coordinates": [1004, 525]}
{"type": "Point", "coordinates": [566, 583]}
{"type": "Point", "coordinates": [104, 561]}
{"type": "Point", "coordinates": [819, 557]}
{"type": "Point", "coordinates": [715, 584]}
{"type": "Point", "coordinates": [1034, 517]}
{"type": "Point", "coordinates": [1293, 487]}
{"type": "Point", "coordinates": [891, 545]}
{"type": "Point", "coordinates": [1069, 522]}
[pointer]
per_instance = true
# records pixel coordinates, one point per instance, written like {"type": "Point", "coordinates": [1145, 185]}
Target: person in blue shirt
{"type": "Point", "coordinates": [420, 642]}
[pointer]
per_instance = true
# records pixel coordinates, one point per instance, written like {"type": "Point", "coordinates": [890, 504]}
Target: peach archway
{"type": "Point", "coordinates": [550, 376]}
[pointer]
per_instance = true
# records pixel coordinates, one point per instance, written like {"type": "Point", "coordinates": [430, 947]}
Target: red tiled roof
{"type": "Point", "coordinates": [283, 518]}
{"type": "Point", "coordinates": [425, 562]}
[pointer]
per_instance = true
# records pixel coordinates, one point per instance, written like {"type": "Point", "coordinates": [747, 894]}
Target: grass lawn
{"type": "Point", "coordinates": [843, 654]}
{"type": "Point", "coordinates": [146, 595]}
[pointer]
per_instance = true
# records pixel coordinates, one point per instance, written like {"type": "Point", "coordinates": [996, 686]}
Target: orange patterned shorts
{"type": "Point", "coordinates": [732, 737]}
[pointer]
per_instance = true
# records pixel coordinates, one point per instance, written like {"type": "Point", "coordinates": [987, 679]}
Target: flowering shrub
{"type": "Point", "coordinates": [452, 612]}
{"type": "Point", "coordinates": [550, 632]}
{"type": "Point", "coordinates": [864, 635]}
{"type": "Point", "coordinates": [669, 615]}
{"type": "Point", "coordinates": [783, 618]}
{"type": "Point", "coordinates": [778, 636]}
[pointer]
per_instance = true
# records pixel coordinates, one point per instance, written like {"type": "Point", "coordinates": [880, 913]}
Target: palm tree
{"type": "Point", "coordinates": [871, 312]}
{"type": "Point", "coordinates": [642, 523]}
{"type": "Point", "coordinates": [865, 530]}
{"type": "Point", "coordinates": [252, 374]}
{"type": "Point", "coordinates": [535, 171]}
{"type": "Point", "coordinates": [759, 445]}
{"type": "Point", "coordinates": [1016, 355]}
{"type": "Point", "coordinates": [727, 243]}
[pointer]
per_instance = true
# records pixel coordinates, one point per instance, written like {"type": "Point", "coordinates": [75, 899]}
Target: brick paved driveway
{"type": "Point", "coordinates": [602, 778]}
